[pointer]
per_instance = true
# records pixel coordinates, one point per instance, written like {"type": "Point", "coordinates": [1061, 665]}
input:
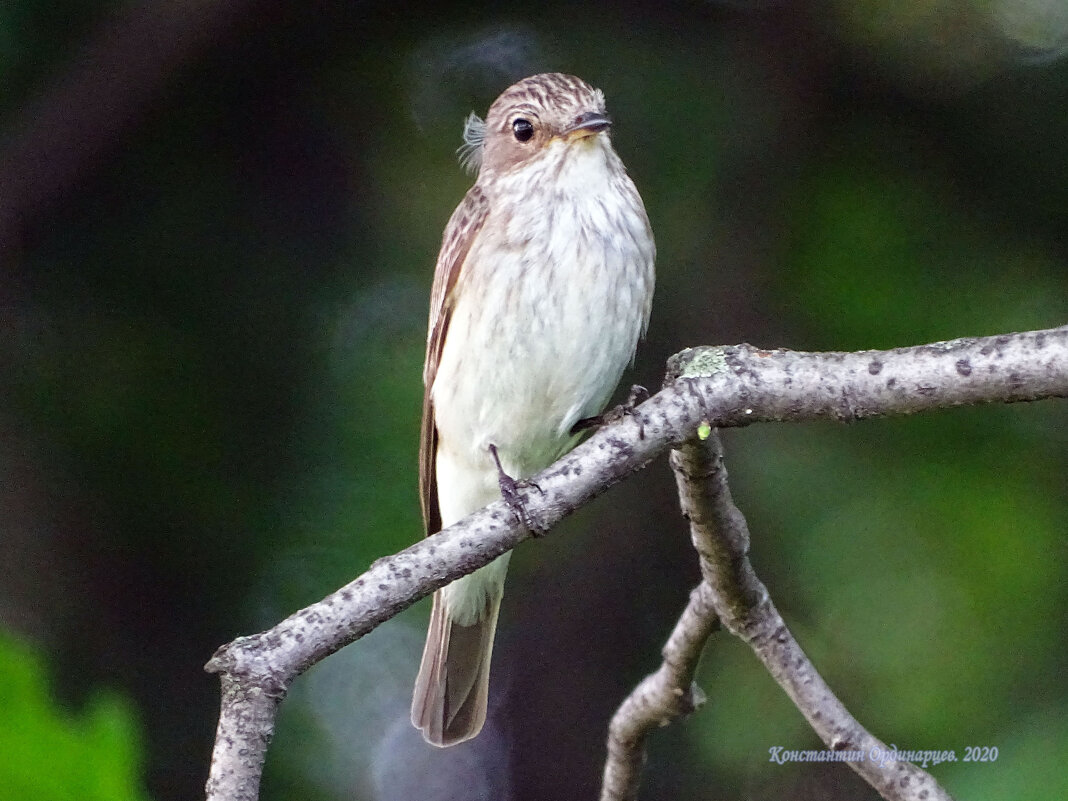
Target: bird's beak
{"type": "Point", "coordinates": [586, 124]}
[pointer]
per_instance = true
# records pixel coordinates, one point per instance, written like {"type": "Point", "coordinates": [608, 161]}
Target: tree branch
{"type": "Point", "coordinates": [732, 594]}
{"type": "Point", "coordinates": [660, 698]}
{"type": "Point", "coordinates": [722, 387]}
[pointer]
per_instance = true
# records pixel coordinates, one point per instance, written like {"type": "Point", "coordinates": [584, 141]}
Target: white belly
{"type": "Point", "coordinates": [565, 282]}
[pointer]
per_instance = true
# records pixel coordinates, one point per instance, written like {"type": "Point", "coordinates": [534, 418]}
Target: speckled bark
{"type": "Point", "coordinates": [731, 594]}
{"type": "Point", "coordinates": [722, 387]}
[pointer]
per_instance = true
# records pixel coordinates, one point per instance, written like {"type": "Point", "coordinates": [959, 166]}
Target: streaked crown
{"type": "Point", "coordinates": [529, 115]}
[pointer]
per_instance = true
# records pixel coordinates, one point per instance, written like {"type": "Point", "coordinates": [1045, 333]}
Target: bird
{"type": "Point", "coordinates": [542, 289]}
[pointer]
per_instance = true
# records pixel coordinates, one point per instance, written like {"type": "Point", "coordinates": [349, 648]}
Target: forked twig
{"type": "Point", "coordinates": [722, 386]}
{"type": "Point", "coordinates": [730, 593]}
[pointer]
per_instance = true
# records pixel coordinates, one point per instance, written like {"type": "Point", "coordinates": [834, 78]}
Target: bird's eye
{"type": "Point", "coordinates": [523, 129]}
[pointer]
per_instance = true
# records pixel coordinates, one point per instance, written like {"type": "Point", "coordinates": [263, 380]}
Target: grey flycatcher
{"type": "Point", "coordinates": [542, 289]}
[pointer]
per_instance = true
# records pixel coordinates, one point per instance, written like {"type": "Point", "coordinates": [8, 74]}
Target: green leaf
{"type": "Point", "coordinates": [50, 754]}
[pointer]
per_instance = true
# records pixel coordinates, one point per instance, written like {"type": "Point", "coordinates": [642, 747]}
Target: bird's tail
{"type": "Point", "coordinates": [452, 689]}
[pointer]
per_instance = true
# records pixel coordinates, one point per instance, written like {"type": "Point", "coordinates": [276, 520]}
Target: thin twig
{"type": "Point", "coordinates": [740, 601]}
{"type": "Point", "coordinates": [661, 697]}
{"type": "Point", "coordinates": [722, 387]}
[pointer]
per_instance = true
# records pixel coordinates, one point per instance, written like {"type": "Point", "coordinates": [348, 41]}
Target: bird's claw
{"type": "Point", "coordinates": [629, 408]}
{"type": "Point", "coordinates": [510, 488]}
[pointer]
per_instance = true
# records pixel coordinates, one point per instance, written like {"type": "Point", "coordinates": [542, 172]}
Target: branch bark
{"type": "Point", "coordinates": [730, 593]}
{"type": "Point", "coordinates": [659, 698]}
{"type": "Point", "coordinates": [717, 386]}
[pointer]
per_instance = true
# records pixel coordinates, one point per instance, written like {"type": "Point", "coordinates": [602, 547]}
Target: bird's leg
{"type": "Point", "coordinates": [629, 408]}
{"type": "Point", "coordinates": [510, 492]}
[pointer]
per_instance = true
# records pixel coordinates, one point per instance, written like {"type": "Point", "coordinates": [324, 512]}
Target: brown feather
{"type": "Point", "coordinates": [461, 231]}
{"type": "Point", "coordinates": [452, 689]}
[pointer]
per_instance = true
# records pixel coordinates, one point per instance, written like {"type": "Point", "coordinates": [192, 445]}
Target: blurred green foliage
{"type": "Point", "coordinates": [883, 254]}
{"type": "Point", "coordinates": [53, 755]}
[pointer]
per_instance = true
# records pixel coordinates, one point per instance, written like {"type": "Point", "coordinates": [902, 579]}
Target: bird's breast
{"type": "Point", "coordinates": [552, 300]}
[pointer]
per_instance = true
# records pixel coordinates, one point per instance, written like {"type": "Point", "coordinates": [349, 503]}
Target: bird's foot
{"type": "Point", "coordinates": [510, 488]}
{"type": "Point", "coordinates": [629, 408]}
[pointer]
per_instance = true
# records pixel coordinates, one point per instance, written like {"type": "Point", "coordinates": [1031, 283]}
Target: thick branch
{"type": "Point", "coordinates": [720, 386]}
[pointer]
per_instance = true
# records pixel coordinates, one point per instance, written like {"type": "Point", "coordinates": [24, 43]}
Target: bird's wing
{"type": "Point", "coordinates": [460, 233]}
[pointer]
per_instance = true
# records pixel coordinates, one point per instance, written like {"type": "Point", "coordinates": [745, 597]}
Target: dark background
{"type": "Point", "coordinates": [218, 224]}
